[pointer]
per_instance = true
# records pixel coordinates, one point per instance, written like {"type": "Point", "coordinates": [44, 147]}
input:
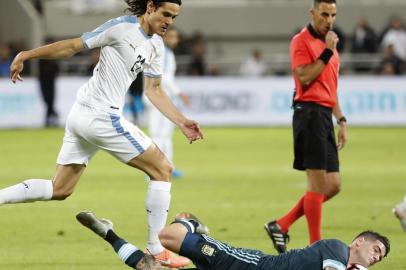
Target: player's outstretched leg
{"type": "Point", "coordinates": [31, 190]}
{"type": "Point", "coordinates": [127, 252]}
{"type": "Point", "coordinates": [400, 212]}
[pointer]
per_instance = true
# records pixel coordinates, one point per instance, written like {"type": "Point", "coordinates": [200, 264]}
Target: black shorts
{"type": "Point", "coordinates": [314, 138]}
{"type": "Point", "coordinates": [209, 254]}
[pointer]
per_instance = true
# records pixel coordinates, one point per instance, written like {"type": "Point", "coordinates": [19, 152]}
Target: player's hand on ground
{"type": "Point", "coordinates": [15, 69]}
{"type": "Point", "coordinates": [342, 137]}
{"type": "Point", "coordinates": [191, 130]}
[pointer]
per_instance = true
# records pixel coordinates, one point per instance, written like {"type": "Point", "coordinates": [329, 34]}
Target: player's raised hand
{"type": "Point", "coordinates": [331, 40]}
{"type": "Point", "coordinates": [16, 67]}
{"type": "Point", "coordinates": [191, 130]}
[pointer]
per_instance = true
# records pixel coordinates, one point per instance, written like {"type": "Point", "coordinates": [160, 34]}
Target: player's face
{"type": "Point", "coordinates": [171, 38]}
{"type": "Point", "coordinates": [370, 252]}
{"type": "Point", "coordinates": [161, 18]}
{"type": "Point", "coordinates": [323, 17]}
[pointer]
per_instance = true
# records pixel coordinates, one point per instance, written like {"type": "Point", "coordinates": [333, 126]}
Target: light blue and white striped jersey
{"type": "Point", "coordinates": [125, 51]}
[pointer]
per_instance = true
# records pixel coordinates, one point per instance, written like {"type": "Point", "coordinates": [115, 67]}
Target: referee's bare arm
{"type": "Point", "coordinates": [308, 73]}
{"type": "Point", "coordinates": [342, 135]}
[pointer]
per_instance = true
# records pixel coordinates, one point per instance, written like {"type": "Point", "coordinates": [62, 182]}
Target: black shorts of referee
{"type": "Point", "coordinates": [314, 138]}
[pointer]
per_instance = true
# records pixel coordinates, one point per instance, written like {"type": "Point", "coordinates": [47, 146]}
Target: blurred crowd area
{"type": "Point", "coordinates": [365, 50]}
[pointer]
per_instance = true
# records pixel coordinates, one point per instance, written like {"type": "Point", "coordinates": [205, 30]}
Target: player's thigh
{"type": "Point", "coordinates": [317, 181]}
{"type": "Point", "coordinates": [334, 184]}
{"type": "Point", "coordinates": [72, 159]}
{"type": "Point", "coordinates": [130, 145]}
{"type": "Point", "coordinates": [154, 163]}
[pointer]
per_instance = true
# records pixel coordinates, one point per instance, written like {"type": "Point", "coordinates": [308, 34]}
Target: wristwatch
{"type": "Point", "coordinates": [341, 119]}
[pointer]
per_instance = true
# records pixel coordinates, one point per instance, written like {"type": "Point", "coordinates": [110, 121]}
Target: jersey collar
{"type": "Point", "coordinates": [314, 33]}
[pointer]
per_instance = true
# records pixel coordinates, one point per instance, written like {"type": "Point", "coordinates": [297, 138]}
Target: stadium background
{"type": "Point", "coordinates": [239, 176]}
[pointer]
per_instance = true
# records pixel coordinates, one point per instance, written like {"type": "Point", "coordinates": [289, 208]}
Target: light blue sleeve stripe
{"type": "Point", "coordinates": [152, 75]}
{"type": "Point", "coordinates": [84, 42]}
{"type": "Point", "coordinates": [107, 25]}
{"type": "Point", "coordinates": [334, 264]}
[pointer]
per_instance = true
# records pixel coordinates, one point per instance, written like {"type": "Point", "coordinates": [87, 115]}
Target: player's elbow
{"type": "Point", "coordinates": [304, 80]}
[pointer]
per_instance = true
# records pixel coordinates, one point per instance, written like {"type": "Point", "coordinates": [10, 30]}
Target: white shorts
{"type": "Point", "coordinates": [89, 129]}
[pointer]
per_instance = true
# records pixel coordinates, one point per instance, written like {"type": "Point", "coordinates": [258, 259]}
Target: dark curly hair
{"type": "Point", "coordinates": [139, 7]}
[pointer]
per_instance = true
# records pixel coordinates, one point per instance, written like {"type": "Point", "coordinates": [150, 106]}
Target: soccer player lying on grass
{"type": "Point", "coordinates": [187, 236]}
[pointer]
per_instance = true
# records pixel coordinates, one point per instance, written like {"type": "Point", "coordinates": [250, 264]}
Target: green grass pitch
{"type": "Point", "coordinates": [236, 179]}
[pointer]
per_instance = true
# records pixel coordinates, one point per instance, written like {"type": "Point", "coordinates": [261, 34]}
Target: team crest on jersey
{"type": "Point", "coordinates": [138, 65]}
{"type": "Point", "coordinates": [207, 250]}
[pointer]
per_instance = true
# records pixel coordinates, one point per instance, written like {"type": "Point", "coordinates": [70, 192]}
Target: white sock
{"type": "Point", "coordinates": [158, 199]}
{"type": "Point", "coordinates": [27, 191]}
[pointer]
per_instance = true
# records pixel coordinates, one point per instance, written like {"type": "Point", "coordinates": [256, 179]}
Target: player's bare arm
{"type": "Point", "coordinates": [58, 50]}
{"type": "Point", "coordinates": [308, 73]}
{"type": "Point", "coordinates": [162, 102]}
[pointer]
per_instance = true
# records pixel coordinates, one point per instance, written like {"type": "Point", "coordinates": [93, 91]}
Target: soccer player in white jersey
{"type": "Point", "coordinates": [129, 45]}
{"type": "Point", "coordinates": [159, 127]}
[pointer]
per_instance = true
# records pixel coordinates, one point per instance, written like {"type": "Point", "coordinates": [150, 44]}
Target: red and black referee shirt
{"type": "Point", "coordinates": [305, 48]}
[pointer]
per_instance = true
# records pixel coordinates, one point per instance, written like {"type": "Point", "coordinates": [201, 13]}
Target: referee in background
{"type": "Point", "coordinates": [315, 65]}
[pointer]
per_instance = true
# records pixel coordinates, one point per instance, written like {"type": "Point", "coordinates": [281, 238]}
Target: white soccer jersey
{"type": "Point", "coordinates": [169, 71]}
{"type": "Point", "coordinates": [125, 51]}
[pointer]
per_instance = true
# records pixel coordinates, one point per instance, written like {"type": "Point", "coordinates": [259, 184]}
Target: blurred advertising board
{"type": "Point", "coordinates": [225, 101]}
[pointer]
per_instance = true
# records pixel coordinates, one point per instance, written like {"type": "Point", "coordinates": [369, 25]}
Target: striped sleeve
{"type": "Point", "coordinates": [106, 33]}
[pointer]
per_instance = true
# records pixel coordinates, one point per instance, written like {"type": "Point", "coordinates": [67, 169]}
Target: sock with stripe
{"type": "Point", "coordinates": [127, 252]}
{"type": "Point", "coordinates": [157, 203]}
{"type": "Point", "coordinates": [312, 206]}
{"type": "Point", "coordinates": [27, 191]}
{"type": "Point", "coordinates": [294, 214]}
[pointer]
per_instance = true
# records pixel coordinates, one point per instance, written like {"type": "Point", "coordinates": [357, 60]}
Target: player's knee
{"type": "Point", "coordinates": [163, 171]}
{"type": "Point", "coordinates": [335, 189]}
{"type": "Point", "coordinates": [61, 196]}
